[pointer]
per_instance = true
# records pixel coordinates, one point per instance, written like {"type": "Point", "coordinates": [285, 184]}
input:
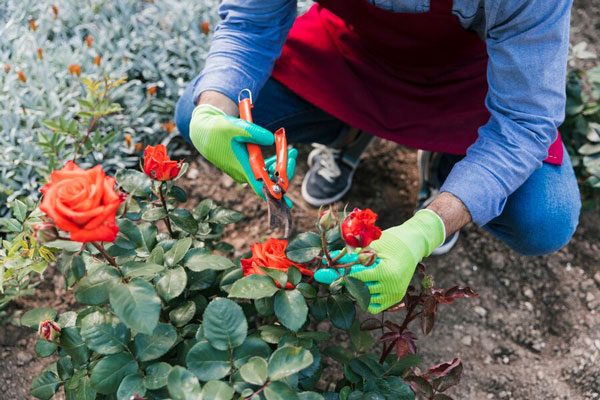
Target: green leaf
{"type": "Point", "coordinates": [183, 313]}
{"type": "Point", "coordinates": [65, 245]}
{"type": "Point", "coordinates": [362, 341]}
{"type": "Point", "coordinates": [224, 324]}
{"type": "Point", "coordinates": [399, 367]}
{"type": "Point", "coordinates": [32, 318]}
{"type": "Point", "coordinates": [200, 261]}
{"type": "Point", "coordinates": [253, 287]}
{"type": "Point", "coordinates": [208, 363]}
{"type": "Point", "coordinates": [367, 366]}
{"type": "Point", "coordinates": [173, 256]}
{"type": "Point", "coordinates": [136, 304]}
{"type": "Point", "coordinates": [294, 275]}
{"type": "Point", "coordinates": [156, 375]}
{"type": "Point", "coordinates": [72, 343]}
{"type": "Point", "coordinates": [307, 290]}
{"type": "Point", "coordinates": [280, 391]}
{"type": "Point", "coordinates": [287, 361]}
{"type": "Point", "coordinates": [265, 306]}
{"type": "Point", "coordinates": [359, 291]}
{"type": "Point", "coordinates": [172, 283]}
{"type": "Point", "coordinates": [79, 387]}
{"type": "Point", "coordinates": [151, 347]}
{"type": "Point", "coordinates": [93, 288]}
{"type": "Point", "coordinates": [19, 210]}
{"type": "Point", "coordinates": [217, 390]}
{"type": "Point", "coordinates": [44, 348]}
{"type": "Point", "coordinates": [252, 347]}
{"type": "Point", "coordinates": [141, 269]}
{"type": "Point", "coordinates": [255, 371]}
{"type": "Point", "coordinates": [131, 231]}
{"type": "Point", "coordinates": [393, 387]}
{"type": "Point", "coordinates": [310, 396]}
{"type": "Point", "coordinates": [339, 354]}
{"type": "Point", "coordinates": [154, 214]}
{"type": "Point", "coordinates": [107, 374]}
{"type": "Point", "coordinates": [314, 335]}
{"type": "Point", "coordinates": [291, 309]}
{"type": "Point", "coordinates": [318, 309]}
{"type": "Point", "coordinates": [277, 275]}
{"type": "Point", "coordinates": [184, 220]}
{"type": "Point", "coordinates": [201, 280]}
{"type": "Point", "coordinates": [103, 333]}
{"type": "Point", "coordinates": [157, 256]}
{"type": "Point", "coordinates": [183, 385]}
{"type": "Point", "coordinates": [134, 182]}
{"type": "Point", "coordinates": [304, 247]}
{"type": "Point", "coordinates": [45, 385]}
{"type": "Point", "coordinates": [178, 194]}
{"type": "Point", "coordinates": [131, 386]}
{"type": "Point", "coordinates": [272, 333]}
{"type": "Point", "coordinates": [341, 311]}
{"type": "Point", "coordinates": [224, 216]}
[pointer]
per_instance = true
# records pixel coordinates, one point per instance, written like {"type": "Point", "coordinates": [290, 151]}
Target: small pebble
{"type": "Point", "coordinates": [482, 312]}
{"type": "Point", "coordinates": [528, 293]}
{"type": "Point", "coordinates": [467, 340]}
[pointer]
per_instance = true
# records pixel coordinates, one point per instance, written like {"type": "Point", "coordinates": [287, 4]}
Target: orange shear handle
{"type": "Point", "coordinates": [257, 162]}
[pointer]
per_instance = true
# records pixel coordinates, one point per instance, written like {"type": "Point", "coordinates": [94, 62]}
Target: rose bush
{"type": "Point", "coordinates": [167, 312]}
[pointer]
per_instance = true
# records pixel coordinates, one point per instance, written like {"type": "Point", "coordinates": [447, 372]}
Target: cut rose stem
{"type": "Point", "coordinates": [107, 257]}
{"type": "Point", "coordinates": [164, 204]}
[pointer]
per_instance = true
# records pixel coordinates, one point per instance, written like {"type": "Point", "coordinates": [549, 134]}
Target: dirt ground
{"type": "Point", "coordinates": [534, 333]}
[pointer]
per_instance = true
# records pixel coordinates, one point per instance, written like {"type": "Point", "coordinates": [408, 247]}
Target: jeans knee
{"type": "Point", "coordinates": [540, 233]}
{"type": "Point", "coordinates": [182, 118]}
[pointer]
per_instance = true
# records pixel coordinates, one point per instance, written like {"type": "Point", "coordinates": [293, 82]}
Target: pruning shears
{"type": "Point", "coordinates": [275, 185]}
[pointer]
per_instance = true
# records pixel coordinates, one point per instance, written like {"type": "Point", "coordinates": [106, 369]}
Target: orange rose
{"type": "Point", "coordinates": [270, 254]}
{"type": "Point", "coordinates": [158, 165]}
{"type": "Point", "coordinates": [83, 203]}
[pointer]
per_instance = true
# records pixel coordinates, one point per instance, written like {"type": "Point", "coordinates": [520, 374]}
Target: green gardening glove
{"type": "Point", "coordinates": [399, 250]}
{"type": "Point", "coordinates": [222, 139]}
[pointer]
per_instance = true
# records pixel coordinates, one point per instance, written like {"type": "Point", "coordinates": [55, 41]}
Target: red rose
{"type": "Point", "coordinates": [82, 202]}
{"type": "Point", "coordinates": [48, 330]}
{"type": "Point", "coordinates": [359, 229]}
{"type": "Point", "coordinates": [270, 254]}
{"type": "Point", "coordinates": [158, 165]}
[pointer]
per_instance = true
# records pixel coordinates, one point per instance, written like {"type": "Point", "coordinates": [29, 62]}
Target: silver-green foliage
{"type": "Point", "coordinates": [149, 43]}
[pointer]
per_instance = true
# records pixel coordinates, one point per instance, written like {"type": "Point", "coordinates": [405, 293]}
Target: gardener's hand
{"type": "Point", "coordinates": [399, 250]}
{"type": "Point", "coordinates": [222, 139]}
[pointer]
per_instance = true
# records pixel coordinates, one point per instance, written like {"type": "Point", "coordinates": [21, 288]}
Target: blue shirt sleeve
{"type": "Point", "coordinates": [245, 45]}
{"type": "Point", "coordinates": [527, 42]}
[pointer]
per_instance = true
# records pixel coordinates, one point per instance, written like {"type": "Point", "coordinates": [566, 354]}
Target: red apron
{"type": "Point", "coordinates": [417, 79]}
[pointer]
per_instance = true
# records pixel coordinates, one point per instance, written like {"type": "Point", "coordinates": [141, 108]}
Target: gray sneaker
{"type": "Point", "coordinates": [331, 169]}
{"type": "Point", "coordinates": [434, 168]}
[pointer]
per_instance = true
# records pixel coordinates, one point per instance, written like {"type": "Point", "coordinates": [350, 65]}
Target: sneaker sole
{"type": "Point", "coordinates": [314, 202]}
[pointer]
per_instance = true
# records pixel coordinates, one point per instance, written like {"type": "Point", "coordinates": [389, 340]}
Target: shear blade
{"type": "Point", "coordinates": [279, 215]}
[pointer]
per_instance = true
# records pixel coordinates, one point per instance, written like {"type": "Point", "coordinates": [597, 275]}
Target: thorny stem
{"type": "Point", "coordinates": [107, 257]}
{"type": "Point", "coordinates": [325, 249]}
{"type": "Point", "coordinates": [164, 204]}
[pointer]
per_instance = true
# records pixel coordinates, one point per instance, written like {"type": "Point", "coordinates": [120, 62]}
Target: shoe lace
{"type": "Point", "coordinates": [327, 160]}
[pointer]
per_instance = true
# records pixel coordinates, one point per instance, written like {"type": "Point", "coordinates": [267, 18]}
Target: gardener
{"type": "Point", "coordinates": [483, 78]}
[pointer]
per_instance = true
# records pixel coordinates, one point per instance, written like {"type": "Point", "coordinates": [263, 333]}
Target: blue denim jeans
{"type": "Point", "coordinates": [539, 218]}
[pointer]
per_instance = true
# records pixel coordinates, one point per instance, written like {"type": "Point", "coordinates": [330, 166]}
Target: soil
{"type": "Point", "coordinates": [534, 332]}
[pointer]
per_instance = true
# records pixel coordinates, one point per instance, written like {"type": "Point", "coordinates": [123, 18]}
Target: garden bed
{"type": "Point", "coordinates": [532, 334]}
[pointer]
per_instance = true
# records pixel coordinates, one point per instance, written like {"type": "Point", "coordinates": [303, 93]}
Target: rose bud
{"type": "Point", "coordinates": [45, 232]}
{"type": "Point", "coordinates": [367, 257]}
{"type": "Point", "coordinates": [48, 330]}
{"type": "Point", "coordinates": [158, 165]}
{"type": "Point", "coordinates": [328, 219]}
{"type": "Point", "coordinates": [359, 229]}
